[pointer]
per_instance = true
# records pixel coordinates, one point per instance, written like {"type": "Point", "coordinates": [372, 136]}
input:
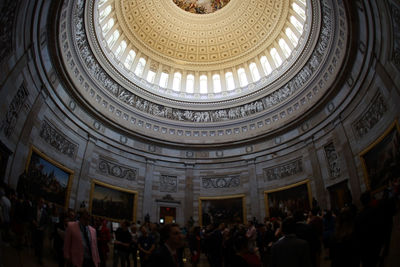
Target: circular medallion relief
{"type": "Point", "coordinates": [201, 6]}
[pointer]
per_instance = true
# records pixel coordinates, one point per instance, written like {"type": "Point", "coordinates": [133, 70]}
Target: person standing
{"type": "Point", "coordinates": [290, 250]}
{"type": "Point", "coordinates": [134, 243]}
{"type": "Point", "coordinates": [146, 246]}
{"type": "Point", "coordinates": [39, 223]}
{"type": "Point", "coordinates": [104, 239]}
{"type": "Point", "coordinates": [80, 244]}
{"type": "Point", "coordinates": [122, 244]}
{"type": "Point", "coordinates": [169, 254]}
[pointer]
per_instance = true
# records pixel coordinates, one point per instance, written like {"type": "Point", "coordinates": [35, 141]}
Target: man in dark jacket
{"type": "Point", "coordinates": [290, 250]}
{"type": "Point", "coordinates": [169, 254]}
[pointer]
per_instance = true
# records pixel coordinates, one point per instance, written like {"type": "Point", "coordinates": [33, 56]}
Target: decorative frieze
{"type": "Point", "coordinates": [7, 18]}
{"type": "Point", "coordinates": [332, 158]}
{"type": "Point", "coordinates": [13, 111]}
{"type": "Point", "coordinates": [128, 97]}
{"type": "Point", "coordinates": [168, 183]}
{"type": "Point", "coordinates": [221, 182]}
{"type": "Point", "coordinates": [370, 116]}
{"type": "Point", "coordinates": [395, 15]}
{"type": "Point", "coordinates": [57, 140]}
{"type": "Point", "coordinates": [113, 169]}
{"type": "Point", "coordinates": [284, 170]}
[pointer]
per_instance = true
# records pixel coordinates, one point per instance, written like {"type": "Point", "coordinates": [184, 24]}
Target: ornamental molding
{"type": "Point", "coordinates": [230, 181]}
{"type": "Point", "coordinates": [58, 140]}
{"type": "Point", "coordinates": [114, 169]}
{"type": "Point", "coordinates": [370, 116]}
{"type": "Point", "coordinates": [168, 183]}
{"type": "Point", "coordinates": [10, 120]}
{"type": "Point", "coordinates": [283, 170]}
{"type": "Point", "coordinates": [332, 158]}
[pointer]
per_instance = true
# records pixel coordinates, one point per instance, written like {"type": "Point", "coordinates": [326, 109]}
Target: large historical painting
{"type": "Point", "coordinates": [227, 209]}
{"type": "Point", "coordinates": [46, 178]}
{"type": "Point", "coordinates": [381, 160]}
{"type": "Point", "coordinates": [287, 200]}
{"type": "Point", "coordinates": [112, 202]}
{"type": "Point", "coordinates": [201, 6]}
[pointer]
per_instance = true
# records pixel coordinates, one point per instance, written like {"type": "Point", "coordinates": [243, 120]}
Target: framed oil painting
{"type": "Point", "coordinates": [46, 178]}
{"type": "Point", "coordinates": [224, 209]}
{"type": "Point", "coordinates": [381, 159]}
{"type": "Point", "coordinates": [112, 202]}
{"type": "Point", "coordinates": [285, 200]}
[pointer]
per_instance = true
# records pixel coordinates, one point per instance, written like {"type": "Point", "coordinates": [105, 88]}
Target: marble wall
{"type": "Point", "coordinates": [36, 109]}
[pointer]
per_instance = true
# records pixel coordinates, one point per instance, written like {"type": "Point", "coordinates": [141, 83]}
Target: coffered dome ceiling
{"type": "Point", "coordinates": [157, 70]}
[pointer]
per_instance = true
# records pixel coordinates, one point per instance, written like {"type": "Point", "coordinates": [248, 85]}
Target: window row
{"type": "Point", "coordinates": [271, 59]}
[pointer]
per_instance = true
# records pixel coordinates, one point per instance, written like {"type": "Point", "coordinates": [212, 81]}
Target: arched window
{"type": "Point", "coordinates": [120, 50]}
{"type": "Point", "coordinates": [254, 71]}
{"type": "Point", "coordinates": [102, 2]}
{"type": "Point", "coordinates": [299, 10]}
{"type": "Point", "coordinates": [203, 84]}
{"type": "Point", "coordinates": [164, 79]}
{"type": "Point", "coordinates": [151, 76]}
{"type": "Point", "coordinates": [113, 38]}
{"type": "Point", "coordinates": [230, 83]}
{"type": "Point", "coordinates": [265, 64]}
{"type": "Point", "coordinates": [129, 59]}
{"type": "Point", "coordinates": [140, 67]}
{"type": "Point", "coordinates": [176, 83]}
{"type": "Point", "coordinates": [242, 77]}
{"type": "Point", "coordinates": [103, 14]}
{"type": "Point", "coordinates": [217, 83]}
{"type": "Point", "coordinates": [296, 24]}
{"type": "Point", "coordinates": [292, 37]}
{"type": "Point", "coordinates": [275, 56]}
{"type": "Point", "coordinates": [190, 83]}
{"type": "Point", "coordinates": [107, 26]}
{"type": "Point", "coordinates": [284, 47]}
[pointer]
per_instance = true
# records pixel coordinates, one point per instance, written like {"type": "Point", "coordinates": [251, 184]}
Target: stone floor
{"type": "Point", "coordinates": [11, 257]}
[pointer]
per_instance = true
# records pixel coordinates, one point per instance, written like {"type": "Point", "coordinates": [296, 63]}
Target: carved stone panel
{"type": "Point", "coordinates": [221, 182]}
{"type": "Point", "coordinates": [13, 111]}
{"type": "Point", "coordinates": [370, 116]}
{"type": "Point", "coordinates": [395, 14]}
{"type": "Point", "coordinates": [114, 169]}
{"type": "Point", "coordinates": [57, 140]}
{"type": "Point", "coordinates": [168, 183]}
{"type": "Point", "coordinates": [333, 160]}
{"type": "Point", "coordinates": [8, 11]}
{"type": "Point", "coordinates": [284, 170]}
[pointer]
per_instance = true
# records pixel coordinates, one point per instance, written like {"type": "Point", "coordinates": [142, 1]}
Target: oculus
{"type": "Point", "coordinates": [201, 6]}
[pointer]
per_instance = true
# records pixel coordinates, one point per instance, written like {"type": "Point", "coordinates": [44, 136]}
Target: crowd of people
{"type": "Point", "coordinates": [349, 236]}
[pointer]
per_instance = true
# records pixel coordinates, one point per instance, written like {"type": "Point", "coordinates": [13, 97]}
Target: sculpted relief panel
{"type": "Point", "coordinates": [9, 122]}
{"type": "Point", "coordinates": [333, 160]}
{"type": "Point", "coordinates": [168, 183]}
{"type": "Point", "coordinates": [110, 168]}
{"type": "Point", "coordinates": [284, 170]}
{"type": "Point", "coordinates": [57, 140]}
{"type": "Point", "coordinates": [221, 182]}
{"type": "Point", "coordinates": [7, 18]}
{"type": "Point", "coordinates": [370, 117]}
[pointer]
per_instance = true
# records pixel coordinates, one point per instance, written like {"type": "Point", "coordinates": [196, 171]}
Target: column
{"type": "Point", "coordinates": [320, 193]}
{"type": "Point", "coordinates": [188, 205]}
{"type": "Point", "coordinates": [348, 159]}
{"type": "Point", "coordinates": [254, 210]}
{"type": "Point", "coordinates": [84, 183]}
{"type": "Point", "coordinates": [148, 190]}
